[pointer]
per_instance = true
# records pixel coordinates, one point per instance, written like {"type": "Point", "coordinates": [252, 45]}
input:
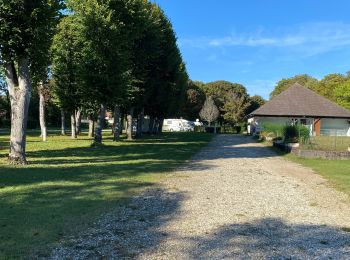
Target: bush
{"type": "Point", "coordinates": [210, 129]}
{"type": "Point", "coordinates": [295, 134]}
{"type": "Point", "coordinates": [272, 130]}
{"type": "Point", "coordinates": [238, 129]}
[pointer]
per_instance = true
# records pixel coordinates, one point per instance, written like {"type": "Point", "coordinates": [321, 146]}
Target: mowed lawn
{"type": "Point", "coordinates": [69, 184]}
{"type": "Point", "coordinates": [336, 171]}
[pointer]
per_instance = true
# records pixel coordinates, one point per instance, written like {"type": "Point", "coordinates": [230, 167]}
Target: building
{"type": "Point", "coordinates": [300, 105]}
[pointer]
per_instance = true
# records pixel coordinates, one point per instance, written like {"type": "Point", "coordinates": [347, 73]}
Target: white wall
{"type": "Point", "coordinates": [331, 126]}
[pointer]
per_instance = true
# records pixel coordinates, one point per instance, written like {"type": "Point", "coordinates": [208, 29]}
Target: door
{"type": "Point", "coordinates": [317, 126]}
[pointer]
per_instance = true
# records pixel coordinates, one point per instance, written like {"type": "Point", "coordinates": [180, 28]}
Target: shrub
{"type": "Point", "coordinates": [238, 129]}
{"type": "Point", "coordinates": [272, 130]}
{"type": "Point", "coordinates": [294, 134]}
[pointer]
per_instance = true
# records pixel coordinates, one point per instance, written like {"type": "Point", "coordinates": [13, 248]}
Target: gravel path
{"type": "Point", "coordinates": [235, 199]}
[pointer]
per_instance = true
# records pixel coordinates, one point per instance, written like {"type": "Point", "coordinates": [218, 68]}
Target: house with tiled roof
{"type": "Point", "coordinates": [300, 105]}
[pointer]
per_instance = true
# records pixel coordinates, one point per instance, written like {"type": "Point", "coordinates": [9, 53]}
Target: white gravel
{"type": "Point", "coordinates": [235, 199]}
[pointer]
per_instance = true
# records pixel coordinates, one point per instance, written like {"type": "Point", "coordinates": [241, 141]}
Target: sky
{"type": "Point", "coordinates": [259, 42]}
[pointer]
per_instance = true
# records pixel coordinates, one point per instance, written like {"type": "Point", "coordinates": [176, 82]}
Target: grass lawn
{"type": "Point", "coordinates": [336, 171]}
{"type": "Point", "coordinates": [68, 184]}
{"type": "Point", "coordinates": [328, 143]}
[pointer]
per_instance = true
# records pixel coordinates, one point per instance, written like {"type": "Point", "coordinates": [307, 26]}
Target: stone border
{"type": "Point", "coordinates": [329, 155]}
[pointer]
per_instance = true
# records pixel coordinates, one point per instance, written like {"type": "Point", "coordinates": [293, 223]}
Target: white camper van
{"type": "Point", "coordinates": [177, 125]}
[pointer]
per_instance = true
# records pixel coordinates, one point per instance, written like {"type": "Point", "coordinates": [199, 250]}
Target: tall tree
{"type": "Point", "coordinates": [25, 27]}
{"type": "Point", "coordinates": [168, 78]}
{"type": "Point", "coordinates": [195, 98]}
{"type": "Point", "coordinates": [106, 52]}
{"type": "Point", "coordinates": [67, 67]}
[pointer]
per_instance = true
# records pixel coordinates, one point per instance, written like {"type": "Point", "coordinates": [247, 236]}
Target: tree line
{"type": "Point", "coordinates": [86, 57]}
{"type": "Point", "coordinates": [231, 100]}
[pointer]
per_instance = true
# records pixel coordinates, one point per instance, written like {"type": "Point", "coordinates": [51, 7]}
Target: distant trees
{"type": "Point", "coordinates": [235, 107]}
{"type": "Point", "coordinates": [254, 103]}
{"type": "Point", "coordinates": [231, 101]}
{"type": "Point", "coordinates": [342, 94]}
{"type": "Point", "coordinates": [303, 79]}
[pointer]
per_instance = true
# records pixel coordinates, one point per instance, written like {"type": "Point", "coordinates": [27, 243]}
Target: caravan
{"type": "Point", "coordinates": [177, 125]}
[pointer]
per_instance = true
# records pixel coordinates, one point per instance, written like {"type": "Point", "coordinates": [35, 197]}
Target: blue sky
{"type": "Point", "coordinates": [258, 42]}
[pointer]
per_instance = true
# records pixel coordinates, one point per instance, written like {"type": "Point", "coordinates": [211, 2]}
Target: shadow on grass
{"type": "Point", "coordinates": [64, 190]}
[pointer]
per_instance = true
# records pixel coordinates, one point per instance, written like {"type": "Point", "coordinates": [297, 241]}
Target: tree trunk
{"type": "Point", "coordinates": [63, 123]}
{"type": "Point", "coordinates": [140, 122]}
{"type": "Point", "coordinates": [42, 118]}
{"type": "Point", "coordinates": [129, 124]}
{"type": "Point", "coordinates": [116, 123]}
{"type": "Point", "coordinates": [160, 126]}
{"type": "Point", "coordinates": [20, 89]}
{"type": "Point", "coordinates": [78, 121]}
{"type": "Point", "coordinates": [91, 127]}
{"type": "Point", "coordinates": [73, 125]}
{"type": "Point", "coordinates": [100, 124]}
{"type": "Point", "coordinates": [150, 126]}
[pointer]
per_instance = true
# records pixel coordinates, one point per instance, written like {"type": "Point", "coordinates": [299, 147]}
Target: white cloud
{"type": "Point", "coordinates": [308, 39]}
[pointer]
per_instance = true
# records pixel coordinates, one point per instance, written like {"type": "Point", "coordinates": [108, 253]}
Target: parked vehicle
{"type": "Point", "coordinates": [177, 125]}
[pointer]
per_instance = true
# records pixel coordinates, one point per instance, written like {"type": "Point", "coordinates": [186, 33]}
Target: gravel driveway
{"type": "Point", "coordinates": [235, 199]}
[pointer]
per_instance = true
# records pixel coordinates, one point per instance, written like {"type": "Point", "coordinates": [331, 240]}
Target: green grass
{"type": "Point", "coordinates": [328, 143]}
{"type": "Point", "coordinates": [336, 171]}
{"type": "Point", "coordinates": [69, 184]}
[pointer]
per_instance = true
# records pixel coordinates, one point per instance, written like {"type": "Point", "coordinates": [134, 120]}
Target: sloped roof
{"type": "Point", "coordinates": [300, 101]}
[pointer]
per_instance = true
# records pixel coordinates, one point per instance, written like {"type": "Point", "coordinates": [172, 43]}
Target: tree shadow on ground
{"type": "Point", "coordinates": [65, 190]}
{"type": "Point", "coordinates": [126, 231]}
{"type": "Point", "coordinates": [273, 238]}
{"type": "Point", "coordinates": [140, 230]}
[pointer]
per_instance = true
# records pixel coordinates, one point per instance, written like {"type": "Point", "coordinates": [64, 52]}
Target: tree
{"type": "Point", "coordinates": [167, 79]}
{"type": "Point", "coordinates": [67, 67]}
{"type": "Point", "coordinates": [209, 112]}
{"type": "Point", "coordinates": [106, 55]}
{"type": "Point", "coordinates": [222, 92]}
{"type": "Point", "coordinates": [235, 107]}
{"type": "Point", "coordinates": [195, 98]}
{"type": "Point", "coordinates": [303, 79]}
{"type": "Point", "coordinates": [342, 94]}
{"type": "Point", "coordinates": [220, 89]}
{"type": "Point", "coordinates": [24, 31]}
{"type": "Point", "coordinates": [328, 84]}
{"type": "Point", "coordinates": [254, 103]}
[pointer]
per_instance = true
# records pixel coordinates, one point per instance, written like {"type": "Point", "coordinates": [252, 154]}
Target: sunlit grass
{"type": "Point", "coordinates": [336, 171]}
{"type": "Point", "coordinates": [69, 184]}
{"type": "Point", "coordinates": [328, 143]}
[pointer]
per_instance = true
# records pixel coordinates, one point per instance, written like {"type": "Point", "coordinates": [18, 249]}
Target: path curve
{"type": "Point", "coordinates": [234, 199]}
